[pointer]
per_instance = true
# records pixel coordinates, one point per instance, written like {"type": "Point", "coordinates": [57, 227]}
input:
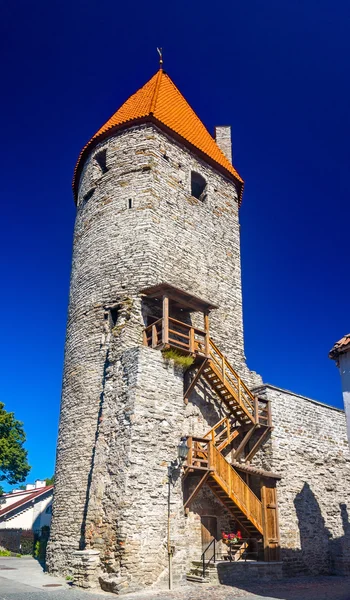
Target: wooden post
{"type": "Point", "coordinates": [190, 451]}
{"type": "Point", "coordinates": [239, 392]}
{"type": "Point", "coordinates": [165, 323]}
{"type": "Point", "coordinates": [223, 369]}
{"type": "Point", "coordinates": [192, 340]}
{"type": "Point", "coordinates": [206, 329]}
{"type": "Point", "coordinates": [154, 336]}
{"type": "Point", "coordinates": [256, 409]}
{"type": "Point", "coordinates": [228, 429]}
{"type": "Point", "coordinates": [145, 337]}
{"type": "Point", "coordinates": [210, 455]}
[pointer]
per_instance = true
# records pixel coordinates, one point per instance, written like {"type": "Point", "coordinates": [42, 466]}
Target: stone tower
{"type": "Point", "coordinates": [157, 205]}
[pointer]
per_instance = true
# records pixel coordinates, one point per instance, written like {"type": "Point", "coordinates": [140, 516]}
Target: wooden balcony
{"type": "Point", "coordinates": [169, 332]}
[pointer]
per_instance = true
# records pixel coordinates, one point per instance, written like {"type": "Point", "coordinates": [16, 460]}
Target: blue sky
{"type": "Point", "coordinates": [277, 72]}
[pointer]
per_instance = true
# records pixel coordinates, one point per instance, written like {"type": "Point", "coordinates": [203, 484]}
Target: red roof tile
{"type": "Point", "coordinates": [342, 346]}
{"type": "Point", "coordinates": [160, 100]}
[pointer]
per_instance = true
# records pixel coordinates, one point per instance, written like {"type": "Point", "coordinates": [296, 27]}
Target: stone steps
{"type": "Point", "coordinates": [232, 573]}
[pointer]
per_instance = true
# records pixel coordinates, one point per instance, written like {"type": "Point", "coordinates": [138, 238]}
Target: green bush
{"type": "Point", "coordinates": [40, 549]}
{"type": "Point", "coordinates": [27, 542]}
{"type": "Point", "coordinates": [184, 360]}
{"type": "Point", "coordinates": [5, 553]}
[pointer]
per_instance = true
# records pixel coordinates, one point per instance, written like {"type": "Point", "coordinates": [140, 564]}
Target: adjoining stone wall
{"type": "Point", "coordinates": [309, 448]}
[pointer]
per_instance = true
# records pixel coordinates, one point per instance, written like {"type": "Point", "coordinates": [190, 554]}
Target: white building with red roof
{"type": "Point", "coordinates": [341, 354]}
{"type": "Point", "coordinates": [27, 509]}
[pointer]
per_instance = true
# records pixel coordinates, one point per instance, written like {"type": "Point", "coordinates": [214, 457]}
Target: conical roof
{"type": "Point", "coordinates": [160, 101]}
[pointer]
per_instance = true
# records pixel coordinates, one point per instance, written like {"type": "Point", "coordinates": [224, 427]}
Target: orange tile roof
{"type": "Point", "coordinates": [342, 346]}
{"type": "Point", "coordinates": [159, 100]}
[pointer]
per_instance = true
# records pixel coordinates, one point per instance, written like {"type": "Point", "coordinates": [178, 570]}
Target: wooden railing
{"type": "Point", "coordinates": [235, 487]}
{"type": "Point", "coordinates": [264, 412]}
{"type": "Point", "coordinates": [152, 335]}
{"type": "Point", "coordinates": [203, 455]}
{"type": "Point", "coordinates": [221, 434]}
{"type": "Point", "coordinates": [228, 375]}
{"type": "Point", "coordinates": [176, 334]}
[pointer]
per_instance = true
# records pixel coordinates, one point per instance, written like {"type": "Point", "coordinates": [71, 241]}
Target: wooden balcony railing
{"type": "Point", "coordinates": [174, 333]}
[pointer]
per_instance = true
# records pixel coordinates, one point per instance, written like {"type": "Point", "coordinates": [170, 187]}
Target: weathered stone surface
{"type": "Point", "coordinates": [122, 410]}
{"type": "Point", "coordinates": [86, 566]}
{"type": "Point", "coordinates": [308, 447]}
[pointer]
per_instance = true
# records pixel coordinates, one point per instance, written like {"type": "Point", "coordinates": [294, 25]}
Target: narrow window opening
{"type": "Point", "coordinates": [101, 159]}
{"type": "Point", "coordinates": [198, 186]}
{"type": "Point", "coordinates": [87, 196]}
{"type": "Point", "coordinates": [130, 203]}
{"type": "Point", "coordinates": [114, 313]}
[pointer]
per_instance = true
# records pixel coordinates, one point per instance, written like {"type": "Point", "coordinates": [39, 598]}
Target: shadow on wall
{"type": "Point", "coordinates": [320, 554]}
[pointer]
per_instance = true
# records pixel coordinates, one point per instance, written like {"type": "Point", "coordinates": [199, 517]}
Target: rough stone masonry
{"type": "Point", "coordinates": [122, 409]}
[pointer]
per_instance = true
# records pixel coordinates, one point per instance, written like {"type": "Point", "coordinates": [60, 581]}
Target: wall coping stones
{"type": "Point", "coordinates": [261, 388]}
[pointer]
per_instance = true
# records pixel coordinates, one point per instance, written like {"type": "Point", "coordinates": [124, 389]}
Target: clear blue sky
{"type": "Point", "coordinates": [278, 72]}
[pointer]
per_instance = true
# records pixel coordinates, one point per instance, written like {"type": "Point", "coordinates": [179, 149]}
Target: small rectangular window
{"type": "Point", "coordinates": [130, 203]}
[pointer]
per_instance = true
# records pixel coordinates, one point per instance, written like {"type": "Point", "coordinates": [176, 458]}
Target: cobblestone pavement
{"type": "Point", "coordinates": [320, 588]}
{"type": "Point", "coordinates": [24, 579]}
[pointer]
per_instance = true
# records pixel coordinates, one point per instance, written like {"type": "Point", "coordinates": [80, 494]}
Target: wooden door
{"type": "Point", "coordinates": [209, 531]}
{"type": "Point", "coordinates": [270, 522]}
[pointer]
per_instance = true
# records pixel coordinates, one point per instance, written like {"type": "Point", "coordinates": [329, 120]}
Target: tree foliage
{"type": "Point", "coordinates": [14, 466]}
{"type": "Point", "coordinates": [50, 480]}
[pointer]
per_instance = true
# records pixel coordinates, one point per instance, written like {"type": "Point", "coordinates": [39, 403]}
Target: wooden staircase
{"type": "Point", "coordinates": [245, 422]}
{"type": "Point", "coordinates": [226, 484]}
{"type": "Point", "coordinates": [249, 419]}
{"type": "Point", "coordinates": [247, 415]}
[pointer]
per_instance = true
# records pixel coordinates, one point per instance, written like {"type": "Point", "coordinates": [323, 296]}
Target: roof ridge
{"type": "Point", "coordinates": [156, 91]}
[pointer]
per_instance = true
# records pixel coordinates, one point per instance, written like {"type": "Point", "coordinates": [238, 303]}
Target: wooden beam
{"type": "Point", "coordinates": [165, 328]}
{"type": "Point", "coordinates": [244, 442]}
{"type": "Point", "coordinates": [256, 409]}
{"type": "Point", "coordinates": [154, 336]}
{"type": "Point", "coordinates": [196, 489]}
{"type": "Point", "coordinates": [206, 329]}
{"type": "Point", "coordinates": [257, 445]}
{"type": "Point", "coordinates": [194, 381]}
{"type": "Point", "coordinates": [192, 340]}
{"type": "Point", "coordinates": [145, 338]}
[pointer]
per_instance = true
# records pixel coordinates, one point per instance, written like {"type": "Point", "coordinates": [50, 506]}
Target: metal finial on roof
{"type": "Point", "coordinates": [160, 52]}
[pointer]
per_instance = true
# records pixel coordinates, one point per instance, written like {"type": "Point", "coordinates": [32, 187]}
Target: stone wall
{"type": "Point", "coordinates": [122, 411]}
{"type": "Point", "coordinates": [166, 235]}
{"type": "Point", "coordinates": [309, 448]}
